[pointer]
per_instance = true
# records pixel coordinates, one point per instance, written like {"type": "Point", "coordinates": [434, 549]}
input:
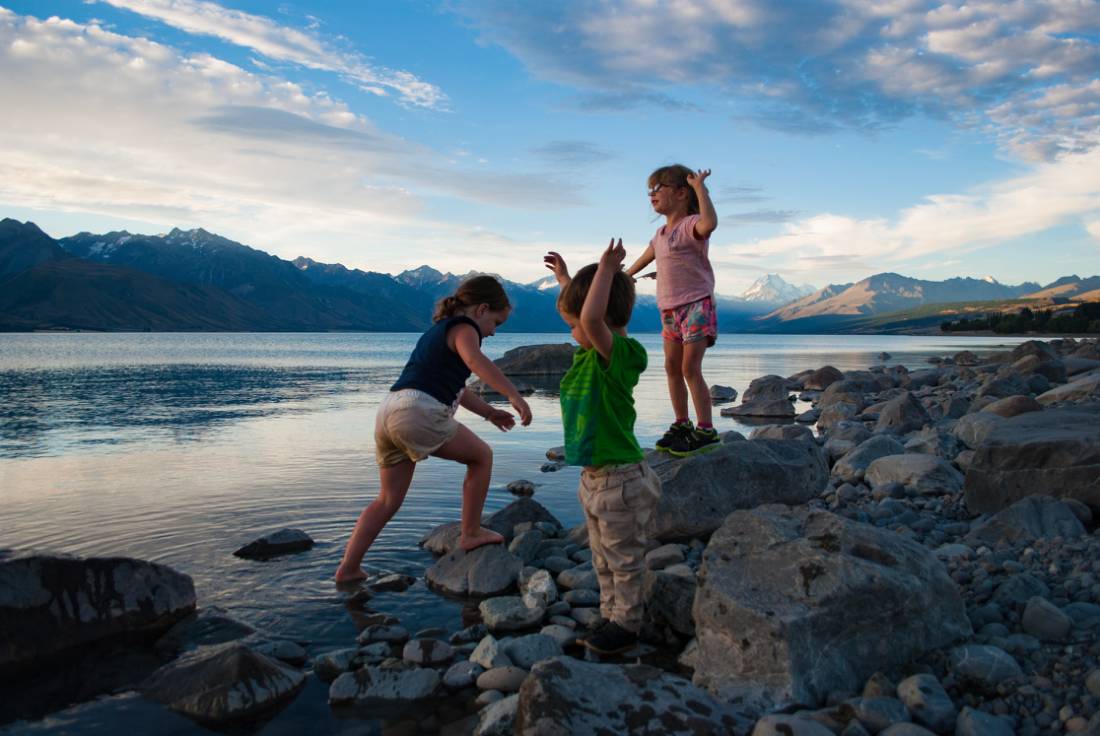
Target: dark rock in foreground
{"type": "Point", "coordinates": [537, 360]}
{"type": "Point", "coordinates": [277, 543]}
{"type": "Point", "coordinates": [566, 696]}
{"type": "Point", "coordinates": [49, 604]}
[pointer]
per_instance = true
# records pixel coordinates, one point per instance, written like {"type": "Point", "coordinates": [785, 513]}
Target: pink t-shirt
{"type": "Point", "coordinates": [684, 274]}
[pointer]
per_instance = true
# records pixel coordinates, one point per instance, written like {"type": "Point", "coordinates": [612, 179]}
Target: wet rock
{"type": "Point", "coordinates": [222, 684]}
{"type": "Point", "coordinates": [722, 394]}
{"type": "Point", "coordinates": [923, 474]}
{"type": "Point", "coordinates": [508, 613]}
{"type": "Point", "coordinates": [852, 466]}
{"type": "Point", "coordinates": [1034, 517]}
{"type": "Point", "coordinates": [443, 539]}
{"type": "Point", "coordinates": [505, 679]}
{"type": "Point", "coordinates": [283, 650]}
{"type": "Point", "coordinates": [1053, 452]}
{"type": "Point", "coordinates": [485, 571]}
{"type": "Point", "coordinates": [389, 633]}
{"type": "Point", "coordinates": [537, 360]}
{"type": "Point", "coordinates": [427, 652]}
{"type": "Point", "coordinates": [384, 686]}
{"type": "Point", "coordinates": [521, 488]}
{"type": "Point", "coordinates": [277, 543]}
{"type": "Point", "coordinates": [928, 702]}
{"type": "Point", "coordinates": [391, 583]}
{"type": "Point", "coordinates": [462, 675]}
{"type": "Point", "coordinates": [698, 492]}
{"type": "Point", "coordinates": [499, 718]}
{"type": "Point", "coordinates": [793, 604]}
{"type": "Point", "coordinates": [567, 696]}
{"type": "Point", "coordinates": [983, 666]}
{"type": "Point", "coordinates": [51, 603]}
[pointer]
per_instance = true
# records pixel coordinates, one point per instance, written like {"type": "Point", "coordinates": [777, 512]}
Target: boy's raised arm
{"type": "Point", "coordinates": [594, 311]}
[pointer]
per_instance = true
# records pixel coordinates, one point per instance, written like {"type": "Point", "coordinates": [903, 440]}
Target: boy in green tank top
{"type": "Point", "coordinates": [618, 490]}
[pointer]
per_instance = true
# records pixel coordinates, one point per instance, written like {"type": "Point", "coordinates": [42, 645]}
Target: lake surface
{"type": "Point", "coordinates": [179, 448]}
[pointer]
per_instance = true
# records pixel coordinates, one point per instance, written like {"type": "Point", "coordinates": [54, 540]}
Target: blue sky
{"type": "Point", "coordinates": [846, 138]}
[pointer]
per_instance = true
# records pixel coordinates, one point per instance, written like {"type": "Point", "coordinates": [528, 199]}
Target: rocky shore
{"type": "Point", "coordinates": [917, 553]}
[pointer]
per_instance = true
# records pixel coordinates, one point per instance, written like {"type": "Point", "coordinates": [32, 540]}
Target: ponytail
{"type": "Point", "coordinates": [473, 291]}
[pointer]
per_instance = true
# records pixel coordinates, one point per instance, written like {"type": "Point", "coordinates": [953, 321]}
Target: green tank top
{"type": "Point", "coordinates": [597, 405]}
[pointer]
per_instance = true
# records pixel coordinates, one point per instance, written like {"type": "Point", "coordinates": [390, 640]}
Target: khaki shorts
{"type": "Point", "coordinates": [411, 425]}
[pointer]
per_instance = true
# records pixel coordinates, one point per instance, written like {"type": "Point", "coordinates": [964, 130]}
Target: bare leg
{"type": "Point", "coordinates": [692, 369]}
{"type": "Point", "coordinates": [677, 389]}
{"type": "Point", "coordinates": [395, 481]}
{"type": "Point", "coordinates": [470, 450]}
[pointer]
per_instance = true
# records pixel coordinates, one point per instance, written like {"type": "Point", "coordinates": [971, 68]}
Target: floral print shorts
{"type": "Point", "coordinates": [691, 322]}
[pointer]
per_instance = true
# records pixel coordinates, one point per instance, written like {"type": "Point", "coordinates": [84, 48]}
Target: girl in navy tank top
{"type": "Point", "coordinates": [416, 419]}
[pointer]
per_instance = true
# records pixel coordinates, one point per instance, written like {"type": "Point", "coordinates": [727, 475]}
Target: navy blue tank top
{"type": "Point", "coordinates": [433, 367]}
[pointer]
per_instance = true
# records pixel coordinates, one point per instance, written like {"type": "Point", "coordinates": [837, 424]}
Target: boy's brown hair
{"type": "Point", "coordinates": [676, 175]}
{"type": "Point", "coordinates": [620, 303]}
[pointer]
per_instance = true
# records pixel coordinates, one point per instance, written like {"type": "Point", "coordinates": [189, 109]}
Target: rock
{"type": "Point", "coordinates": [1053, 452]}
{"type": "Point", "coordinates": [537, 360]}
{"type": "Point", "coordinates": [1045, 621]}
{"type": "Point", "coordinates": [698, 492]}
{"type": "Point", "coordinates": [222, 684]}
{"type": "Point", "coordinates": [1016, 590]}
{"type": "Point", "coordinates": [390, 633]}
{"type": "Point", "coordinates": [1034, 517]}
{"type": "Point", "coordinates": [579, 577]}
{"type": "Point", "coordinates": [444, 538]}
{"type": "Point", "coordinates": [932, 441]}
{"type": "Point", "coordinates": [582, 597]}
{"type": "Point", "coordinates": [966, 358]}
{"type": "Point", "coordinates": [669, 599]}
{"type": "Point", "coordinates": [505, 679]}
{"type": "Point", "coordinates": [539, 591]}
{"type": "Point", "coordinates": [556, 564]}
{"type": "Point", "coordinates": [876, 714]}
{"type": "Point", "coordinates": [525, 546]}
{"type": "Point", "coordinates": [462, 675]}
{"type": "Point", "coordinates": [330, 665]}
{"type": "Point", "coordinates": [499, 718]}
{"type": "Point", "coordinates": [983, 666]}
{"type": "Point", "coordinates": [777, 724]}
{"type": "Point", "coordinates": [760, 408]}
{"type": "Point", "coordinates": [281, 542]}
{"type": "Point", "coordinates": [210, 625]}
{"type": "Point", "coordinates": [847, 392]}
{"type": "Point", "coordinates": [508, 613]}
{"type": "Point", "coordinates": [427, 652]}
{"type": "Point", "coordinates": [1082, 388]}
{"type": "Point", "coordinates": [568, 696]}
{"type": "Point", "coordinates": [563, 635]}
{"type": "Point", "coordinates": [973, 722]}
{"type": "Point", "coordinates": [283, 650]}
{"type": "Point", "coordinates": [1002, 386]}
{"type": "Point", "coordinates": [822, 378]}
{"type": "Point", "coordinates": [782, 432]}
{"type": "Point", "coordinates": [374, 653]}
{"type": "Point", "coordinates": [924, 474]}
{"type": "Point", "coordinates": [663, 556]}
{"type": "Point", "coordinates": [521, 488]}
{"type": "Point", "coordinates": [928, 702]}
{"type": "Point", "coordinates": [1010, 406]}
{"type": "Point", "coordinates": [384, 686]}
{"type": "Point", "coordinates": [486, 571]}
{"type": "Point", "coordinates": [525, 651]}
{"type": "Point", "coordinates": [972, 429]}
{"type": "Point", "coordinates": [905, 729]}
{"type": "Point", "coordinates": [589, 618]}
{"type": "Point", "coordinates": [50, 604]}
{"type": "Point", "coordinates": [901, 414]}
{"type": "Point", "coordinates": [794, 603]}
{"type": "Point", "coordinates": [852, 466]}
{"type": "Point", "coordinates": [489, 653]}
{"type": "Point", "coordinates": [722, 394]}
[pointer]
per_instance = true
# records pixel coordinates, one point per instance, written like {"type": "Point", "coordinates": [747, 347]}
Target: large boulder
{"type": "Point", "coordinates": [902, 414]}
{"type": "Point", "coordinates": [1054, 452]}
{"type": "Point", "coordinates": [822, 378]}
{"type": "Point", "coordinates": [852, 466]}
{"type": "Point", "coordinates": [698, 492]}
{"type": "Point", "coordinates": [765, 397]}
{"type": "Point", "coordinates": [53, 603]}
{"type": "Point", "coordinates": [847, 392]}
{"type": "Point", "coordinates": [444, 538]}
{"type": "Point", "coordinates": [972, 429]}
{"type": "Point", "coordinates": [1086, 387]}
{"type": "Point", "coordinates": [668, 598]}
{"type": "Point", "coordinates": [223, 684]}
{"type": "Point", "coordinates": [1034, 517]}
{"type": "Point", "coordinates": [385, 687]}
{"type": "Point", "coordinates": [923, 474]}
{"type": "Point", "coordinates": [537, 360]}
{"type": "Point", "coordinates": [565, 696]}
{"type": "Point", "coordinates": [486, 571]}
{"type": "Point", "coordinates": [795, 603]}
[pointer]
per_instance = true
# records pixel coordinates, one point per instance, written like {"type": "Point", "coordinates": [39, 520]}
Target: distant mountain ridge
{"type": "Point", "coordinates": [772, 289]}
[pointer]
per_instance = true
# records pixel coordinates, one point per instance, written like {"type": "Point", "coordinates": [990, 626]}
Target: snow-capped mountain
{"type": "Point", "coordinates": [773, 289]}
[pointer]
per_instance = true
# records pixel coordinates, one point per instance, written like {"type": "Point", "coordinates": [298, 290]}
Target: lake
{"type": "Point", "coordinates": [179, 448]}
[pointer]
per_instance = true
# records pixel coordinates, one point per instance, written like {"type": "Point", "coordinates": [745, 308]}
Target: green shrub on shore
{"type": "Point", "coordinates": [1084, 319]}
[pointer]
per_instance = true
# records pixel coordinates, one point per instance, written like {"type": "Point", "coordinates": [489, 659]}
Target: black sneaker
{"type": "Point", "coordinates": [676, 431]}
{"type": "Point", "coordinates": [700, 440]}
{"type": "Point", "coordinates": [611, 639]}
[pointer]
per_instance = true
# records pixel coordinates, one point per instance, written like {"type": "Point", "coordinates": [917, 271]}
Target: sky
{"type": "Point", "coordinates": [845, 138]}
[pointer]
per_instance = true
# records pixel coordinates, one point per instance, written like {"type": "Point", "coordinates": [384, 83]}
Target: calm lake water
{"type": "Point", "coordinates": [179, 448]}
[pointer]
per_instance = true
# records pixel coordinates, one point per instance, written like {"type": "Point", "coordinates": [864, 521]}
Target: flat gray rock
{"type": "Point", "coordinates": [508, 613]}
{"type": "Point", "coordinates": [983, 666]}
{"type": "Point", "coordinates": [281, 542]}
{"type": "Point", "coordinates": [852, 466]}
{"type": "Point", "coordinates": [498, 718]}
{"type": "Point", "coordinates": [444, 538]}
{"type": "Point", "coordinates": [489, 653]}
{"type": "Point", "coordinates": [1033, 517]}
{"type": "Point", "coordinates": [384, 686]}
{"type": "Point", "coordinates": [427, 652]}
{"type": "Point", "coordinates": [505, 679]}
{"type": "Point", "coordinates": [525, 651]}
{"type": "Point", "coordinates": [926, 475]}
{"type": "Point", "coordinates": [485, 571]}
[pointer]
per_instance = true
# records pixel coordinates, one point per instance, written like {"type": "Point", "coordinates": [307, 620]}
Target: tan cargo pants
{"type": "Point", "coordinates": [619, 502]}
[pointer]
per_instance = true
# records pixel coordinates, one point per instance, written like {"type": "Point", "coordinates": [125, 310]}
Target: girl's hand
{"type": "Point", "coordinates": [696, 180]}
{"type": "Point", "coordinates": [502, 420]}
{"type": "Point", "coordinates": [614, 256]}
{"type": "Point", "coordinates": [524, 411]}
{"type": "Point", "coordinates": [556, 263]}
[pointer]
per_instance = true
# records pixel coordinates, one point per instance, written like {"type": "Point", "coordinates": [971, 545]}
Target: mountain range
{"type": "Point", "coordinates": [196, 280]}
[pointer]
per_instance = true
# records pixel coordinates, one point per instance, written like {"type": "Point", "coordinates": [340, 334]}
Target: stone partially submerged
{"type": "Point", "coordinates": [443, 539]}
{"type": "Point", "coordinates": [567, 696]}
{"type": "Point", "coordinates": [51, 603]}
{"type": "Point", "coordinates": [282, 542]}
{"type": "Point", "coordinates": [794, 604]}
{"type": "Point", "coordinates": [698, 492]}
{"type": "Point", "coordinates": [486, 571]}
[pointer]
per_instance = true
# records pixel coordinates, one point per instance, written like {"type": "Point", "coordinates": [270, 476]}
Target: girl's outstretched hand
{"type": "Point", "coordinates": [697, 179]}
{"type": "Point", "coordinates": [556, 263]}
{"type": "Point", "coordinates": [524, 411]}
{"type": "Point", "coordinates": [502, 420]}
{"type": "Point", "coordinates": [614, 256]}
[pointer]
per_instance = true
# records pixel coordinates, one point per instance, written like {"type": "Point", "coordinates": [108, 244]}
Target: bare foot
{"type": "Point", "coordinates": [483, 537]}
{"type": "Point", "coordinates": [345, 577]}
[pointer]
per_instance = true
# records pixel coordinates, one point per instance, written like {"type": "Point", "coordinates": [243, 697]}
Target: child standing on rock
{"type": "Point", "coordinates": [685, 296]}
{"type": "Point", "coordinates": [416, 419]}
{"type": "Point", "coordinates": [618, 490]}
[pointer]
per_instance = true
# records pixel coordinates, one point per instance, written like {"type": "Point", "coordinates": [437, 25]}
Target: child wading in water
{"type": "Point", "coordinates": [685, 296]}
{"type": "Point", "coordinates": [618, 490]}
{"type": "Point", "coordinates": [416, 419]}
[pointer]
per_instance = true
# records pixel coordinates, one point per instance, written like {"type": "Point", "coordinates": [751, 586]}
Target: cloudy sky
{"type": "Point", "coordinates": [846, 138]}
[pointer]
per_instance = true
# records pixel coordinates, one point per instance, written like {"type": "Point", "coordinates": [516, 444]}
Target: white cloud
{"type": "Point", "coordinates": [275, 41]}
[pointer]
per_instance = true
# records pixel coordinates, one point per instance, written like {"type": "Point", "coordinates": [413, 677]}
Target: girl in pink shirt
{"type": "Point", "coordinates": [685, 296]}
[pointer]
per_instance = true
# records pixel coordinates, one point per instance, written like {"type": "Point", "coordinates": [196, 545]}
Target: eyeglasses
{"type": "Point", "coordinates": [658, 187]}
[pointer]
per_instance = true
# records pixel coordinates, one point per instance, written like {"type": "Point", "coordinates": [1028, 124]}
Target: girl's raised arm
{"type": "Point", "coordinates": [708, 218]}
{"type": "Point", "coordinates": [466, 345]}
